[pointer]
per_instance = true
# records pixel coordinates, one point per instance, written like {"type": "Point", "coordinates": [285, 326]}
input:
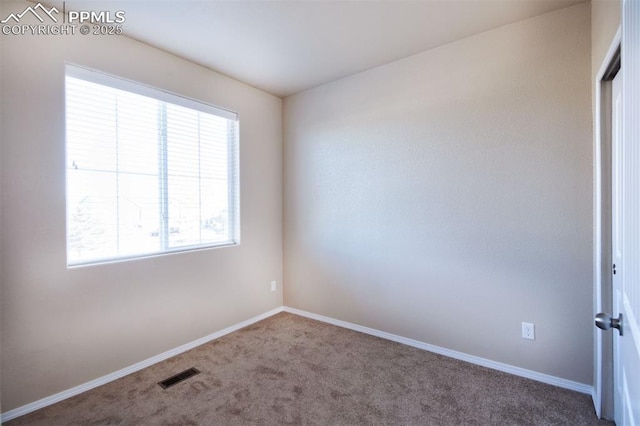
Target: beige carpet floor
{"type": "Point", "coordinates": [292, 370]}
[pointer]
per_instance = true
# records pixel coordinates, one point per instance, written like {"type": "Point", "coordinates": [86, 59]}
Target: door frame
{"type": "Point", "coordinates": [603, 342]}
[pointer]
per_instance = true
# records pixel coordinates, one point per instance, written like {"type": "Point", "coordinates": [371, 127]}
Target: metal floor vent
{"type": "Point", "coordinates": [178, 377]}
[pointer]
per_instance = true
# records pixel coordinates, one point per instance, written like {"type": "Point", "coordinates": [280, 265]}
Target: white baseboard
{"type": "Point", "coordinates": [44, 402]}
{"type": "Point", "coordinates": [545, 378]}
{"type": "Point", "coordinates": [517, 371]}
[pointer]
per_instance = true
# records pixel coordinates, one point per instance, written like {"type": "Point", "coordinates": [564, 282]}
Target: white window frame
{"type": "Point", "coordinates": [99, 77]}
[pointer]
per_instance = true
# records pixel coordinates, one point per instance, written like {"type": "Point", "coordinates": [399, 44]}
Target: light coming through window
{"type": "Point", "coordinates": [148, 172]}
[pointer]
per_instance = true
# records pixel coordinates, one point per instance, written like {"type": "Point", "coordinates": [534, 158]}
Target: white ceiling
{"type": "Point", "coordinates": [284, 47]}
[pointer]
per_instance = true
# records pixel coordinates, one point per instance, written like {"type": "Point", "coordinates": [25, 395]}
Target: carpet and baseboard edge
{"type": "Point", "coordinates": [517, 371]}
{"type": "Point", "coordinates": [76, 390]}
{"type": "Point", "coordinates": [545, 378]}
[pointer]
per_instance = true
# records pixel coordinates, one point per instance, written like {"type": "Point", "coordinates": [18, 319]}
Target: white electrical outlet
{"type": "Point", "coordinates": [528, 331]}
{"type": "Point", "coordinates": [273, 286]}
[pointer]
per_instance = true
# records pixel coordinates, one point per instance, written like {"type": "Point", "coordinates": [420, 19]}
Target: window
{"type": "Point", "coordinates": [148, 172]}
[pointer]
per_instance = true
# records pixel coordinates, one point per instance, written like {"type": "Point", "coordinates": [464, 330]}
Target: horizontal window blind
{"type": "Point", "coordinates": [148, 172]}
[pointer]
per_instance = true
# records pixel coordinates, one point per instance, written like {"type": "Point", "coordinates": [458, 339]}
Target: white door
{"type": "Point", "coordinates": [616, 234]}
{"type": "Point", "coordinates": [617, 240]}
{"type": "Point", "coordinates": [625, 340]}
{"type": "Point", "coordinates": [627, 293]}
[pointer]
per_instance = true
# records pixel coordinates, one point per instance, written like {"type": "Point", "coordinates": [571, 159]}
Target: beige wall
{"type": "Point", "coordinates": [63, 327]}
{"type": "Point", "coordinates": [605, 19]}
{"type": "Point", "coordinates": [447, 197]}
